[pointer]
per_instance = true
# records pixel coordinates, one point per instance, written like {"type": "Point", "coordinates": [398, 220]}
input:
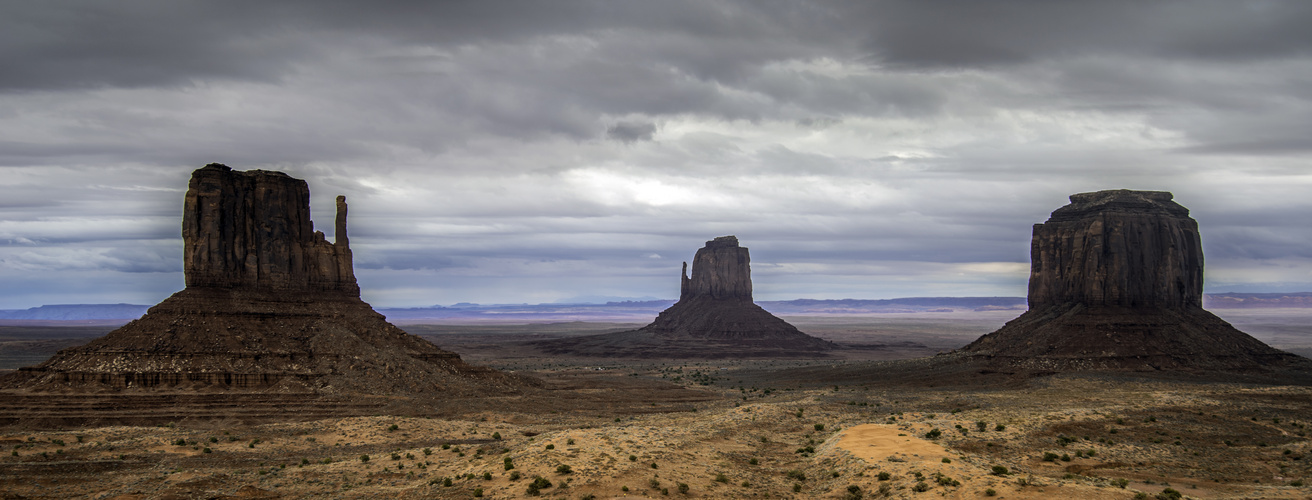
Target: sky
{"type": "Point", "coordinates": [547, 151]}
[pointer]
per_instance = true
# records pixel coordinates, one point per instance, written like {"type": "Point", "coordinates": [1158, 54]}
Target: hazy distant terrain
{"type": "Point", "coordinates": [497, 332]}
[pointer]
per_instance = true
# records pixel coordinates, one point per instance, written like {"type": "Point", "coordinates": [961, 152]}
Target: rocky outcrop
{"type": "Point", "coordinates": [1117, 248]}
{"type": "Point", "coordinates": [1116, 282]}
{"type": "Point", "coordinates": [252, 230]}
{"type": "Point", "coordinates": [270, 305]}
{"type": "Point", "coordinates": [714, 318]}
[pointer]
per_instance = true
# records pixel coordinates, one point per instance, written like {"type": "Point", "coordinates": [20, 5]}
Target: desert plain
{"type": "Point", "coordinates": [687, 428]}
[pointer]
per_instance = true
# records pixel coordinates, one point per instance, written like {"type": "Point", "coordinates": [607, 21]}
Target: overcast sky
{"type": "Point", "coordinates": [507, 152]}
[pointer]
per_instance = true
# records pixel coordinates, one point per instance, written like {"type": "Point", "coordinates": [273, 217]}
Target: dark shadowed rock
{"type": "Point", "coordinates": [1116, 282]}
{"type": "Point", "coordinates": [714, 318]}
{"type": "Point", "coordinates": [270, 305]}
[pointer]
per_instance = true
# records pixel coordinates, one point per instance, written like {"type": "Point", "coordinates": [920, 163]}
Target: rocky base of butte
{"type": "Point", "coordinates": [715, 317]}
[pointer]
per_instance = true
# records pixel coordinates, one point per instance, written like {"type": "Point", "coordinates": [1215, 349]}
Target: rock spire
{"type": "Point", "coordinates": [1116, 282]}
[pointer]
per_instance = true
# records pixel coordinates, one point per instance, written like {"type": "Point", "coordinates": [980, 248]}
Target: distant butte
{"type": "Point", "coordinates": [269, 306]}
{"type": "Point", "coordinates": [1116, 283]}
{"type": "Point", "coordinates": [715, 317]}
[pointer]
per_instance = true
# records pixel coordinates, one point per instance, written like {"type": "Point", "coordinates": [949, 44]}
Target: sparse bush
{"type": "Point", "coordinates": [1065, 457]}
{"type": "Point", "coordinates": [509, 464]}
{"type": "Point", "coordinates": [721, 478]}
{"type": "Point", "coordinates": [563, 469]}
{"type": "Point", "coordinates": [1049, 457]}
{"type": "Point", "coordinates": [180, 442]}
{"type": "Point", "coordinates": [654, 466]}
{"type": "Point", "coordinates": [396, 456]}
{"type": "Point", "coordinates": [569, 441]}
{"type": "Point", "coordinates": [884, 476]}
{"type": "Point", "coordinates": [1169, 494]}
{"type": "Point", "coordinates": [920, 487]}
{"type": "Point", "coordinates": [364, 458]}
{"type": "Point", "coordinates": [683, 488]}
{"type": "Point", "coordinates": [990, 492]}
{"type": "Point", "coordinates": [853, 493]}
{"type": "Point", "coordinates": [392, 428]}
{"type": "Point", "coordinates": [478, 492]}
{"type": "Point", "coordinates": [624, 489]}
{"type": "Point", "coordinates": [428, 451]}
{"type": "Point", "coordinates": [633, 458]}
{"type": "Point", "coordinates": [447, 482]}
{"type": "Point", "coordinates": [819, 427]}
{"type": "Point", "coordinates": [1120, 482]}
{"type": "Point", "coordinates": [207, 450]}
{"type": "Point", "coordinates": [999, 470]}
{"type": "Point", "coordinates": [796, 474]}
{"type": "Point", "coordinates": [551, 447]}
{"type": "Point", "coordinates": [496, 436]}
{"type": "Point", "coordinates": [933, 433]}
{"type": "Point", "coordinates": [797, 487]}
{"type": "Point", "coordinates": [981, 426]}
{"type": "Point", "coordinates": [514, 475]}
{"type": "Point", "coordinates": [1000, 428]}
{"type": "Point", "coordinates": [654, 483]}
{"type": "Point", "coordinates": [487, 476]}
{"type": "Point", "coordinates": [947, 460]}
{"type": "Point", "coordinates": [753, 461]}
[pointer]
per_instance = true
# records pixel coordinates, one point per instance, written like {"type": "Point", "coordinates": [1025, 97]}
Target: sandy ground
{"type": "Point", "coordinates": [1207, 441]}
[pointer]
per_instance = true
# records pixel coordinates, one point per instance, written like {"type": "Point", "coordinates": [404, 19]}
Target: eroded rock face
{"type": "Point", "coordinates": [252, 230]}
{"type": "Point", "coordinates": [714, 318]}
{"type": "Point", "coordinates": [1116, 282]}
{"type": "Point", "coordinates": [720, 270]}
{"type": "Point", "coordinates": [1117, 248]}
{"type": "Point", "coordinates": [269, 305]}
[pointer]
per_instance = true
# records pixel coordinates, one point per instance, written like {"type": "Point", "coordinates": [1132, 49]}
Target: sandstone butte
{"type": "Point", "coordinates": [269, 305]}
{"type": "Point", "coordinates": [1116, 283]}
{"type": "Point", "coordinates": [715, 317]}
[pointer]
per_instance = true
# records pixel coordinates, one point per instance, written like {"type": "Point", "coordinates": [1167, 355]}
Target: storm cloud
{"type": "Point", "coordinates": [536, 151]}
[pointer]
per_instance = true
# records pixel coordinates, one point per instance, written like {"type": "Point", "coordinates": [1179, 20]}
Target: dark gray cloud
{"type": "Point", "coordinates": [530, 151]}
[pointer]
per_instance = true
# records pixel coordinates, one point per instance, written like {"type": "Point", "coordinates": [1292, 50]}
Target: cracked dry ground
{"type": "Point", "coordinates": [1060, 437]}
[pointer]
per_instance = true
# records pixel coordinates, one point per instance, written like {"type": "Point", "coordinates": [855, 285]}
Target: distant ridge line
{"type": "Point", "coordinates": [84, 312]}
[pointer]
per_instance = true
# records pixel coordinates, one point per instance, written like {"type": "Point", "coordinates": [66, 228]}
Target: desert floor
{"type": "Point", "coordinates": [721, 429]}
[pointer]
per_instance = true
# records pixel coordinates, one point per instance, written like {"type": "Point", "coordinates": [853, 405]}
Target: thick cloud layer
{"type": "Point", "coordinates": [537, 151]}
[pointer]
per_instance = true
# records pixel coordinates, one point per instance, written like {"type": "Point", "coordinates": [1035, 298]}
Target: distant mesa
{"type": "Point", "coordinates": [1116, 282]}
{"type": "Point", "coordinates": [715, 317]}
{"type": "Point", "coordinates": [270, 305]}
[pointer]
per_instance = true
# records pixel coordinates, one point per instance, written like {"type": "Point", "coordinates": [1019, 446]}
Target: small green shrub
{"type": "Point", "coordinates": [933, 433]}
{"type": "Point", "coordinates": [1049, 457]}
{"type": "Point", "coordinates": [797, 487]}
{"type": "Point", "coordinates": [392, 428]}
{"type": "Point", "coordinates": [796, 474]}
{"type": "Point", "coordinates": [884, 476]}
{"type": "Point", "coordinates": [999, 470]}
{"type": "Point", "coordinates": [496, 436]}
{"type": "Point", "coordinates": [364, 458]}
{"type": "Point", "coordinates": [920, 487]}
{"type": "Point", "coordinates": [721, 478]}
{"type": "Point", "coordinates": [753, 461]}
{"type": "Point", "coordinates": [563, 469]}
{"type": "Point", "coordinates": [990, 492]}
{"type": "Point", "coordinates": [819, 427]}
{"type": "Point", "coordinates": [551, 447]}
{"type": "Point", "coordinates": [683, 488]}
{"type": "Point", "coordinates": [1000, 428]}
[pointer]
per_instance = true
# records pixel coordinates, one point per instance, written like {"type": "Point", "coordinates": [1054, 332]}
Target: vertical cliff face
{"type": "Point", "coordinates": [720, 270]}
{"type": "Point", "coordinates": [1116, 282]}
{"type": "Point", "coordinates": [1117, 248]}
{"type": "Point", "coordinates": [252, 230]}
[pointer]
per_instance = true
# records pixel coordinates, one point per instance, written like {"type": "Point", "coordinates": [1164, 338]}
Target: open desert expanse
{"type": "Point", "coordinates": [720, 429]}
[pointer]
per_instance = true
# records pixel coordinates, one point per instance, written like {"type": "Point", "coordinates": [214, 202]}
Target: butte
{"type": "Point", "coordinates": [1116, 284]}
{"type": "Point", "coordinates": [715, 317]}
{"type": "Point", "coordinates": [269, 306]}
